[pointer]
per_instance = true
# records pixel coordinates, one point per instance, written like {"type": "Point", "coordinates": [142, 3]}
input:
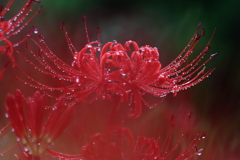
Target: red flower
{"type": "Point", "coordinates": [28, 122]}
{"type": "Point", "coordinates": [118, 143]}
{"type": "Point", "coordinates": [119, 77]}
{"type": "Point", "coordinates": [14, 25]}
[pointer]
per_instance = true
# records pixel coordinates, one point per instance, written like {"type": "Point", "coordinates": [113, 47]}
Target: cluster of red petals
{"type": "Point", "coordinates": [12, 27]}
{"type": "Point", "coordinates": [118, 143]}
{"type": "Point", "coordinates": [27, 120]}
{"type": "Point", "coordinates": [127, 72]}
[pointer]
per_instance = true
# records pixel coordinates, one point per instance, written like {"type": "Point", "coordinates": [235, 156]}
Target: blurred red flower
{"type": "Point", "coordinates": [118, 143]}
{"type": "Point", "coordinates": [28, 122]}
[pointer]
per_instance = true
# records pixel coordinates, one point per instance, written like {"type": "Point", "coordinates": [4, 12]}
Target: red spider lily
{"type": "Point", "coordinates": [14, 25]}
{"type": "Point", "coordinates": [117, 76]}
{"type": "Point", "coordinates": [118, 143]}
{"type": "Point", "coordinates": [28, 122]}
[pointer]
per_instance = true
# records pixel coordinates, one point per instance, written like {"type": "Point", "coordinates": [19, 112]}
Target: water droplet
{"type": "Point", "coordinates": [89, 46]}
{"type": "Point", "coordinates": [54, 108]}
{"type": "Point", "coordinates": [17, 139]}
{"type": "Point", "coordinates": [6, 115]}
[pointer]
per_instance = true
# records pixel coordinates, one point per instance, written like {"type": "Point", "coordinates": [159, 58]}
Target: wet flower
{"type": "Point", "coordinates": [14, 26]}
{"type": "Point", "coordinates": [27, 117]}
{"type": "Point", "coordinates": [117, 76]}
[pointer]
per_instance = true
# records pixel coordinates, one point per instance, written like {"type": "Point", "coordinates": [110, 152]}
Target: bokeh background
{"type": "Point", "coordinates": [167, 25]}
